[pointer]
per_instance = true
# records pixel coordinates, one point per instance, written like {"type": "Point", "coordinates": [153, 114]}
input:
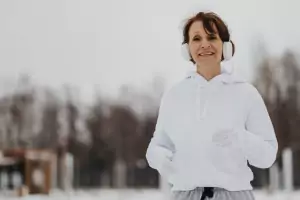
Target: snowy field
{"type": "Point", "coordinates": [134, 195]}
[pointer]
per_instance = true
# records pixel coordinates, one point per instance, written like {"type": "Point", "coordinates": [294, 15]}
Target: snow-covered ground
{"type": "Point", "coordinates": [142, 194]}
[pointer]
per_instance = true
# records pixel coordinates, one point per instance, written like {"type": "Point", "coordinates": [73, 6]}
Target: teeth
{"type": "Point", "coordinates": [203, 54]}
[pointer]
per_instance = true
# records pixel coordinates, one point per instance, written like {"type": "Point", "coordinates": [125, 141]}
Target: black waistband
{"type": "Point", "coordinates": [207, 192]}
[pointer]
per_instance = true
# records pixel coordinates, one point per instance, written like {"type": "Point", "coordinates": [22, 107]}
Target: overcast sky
{"type": "Point", "coordinates": [107, 43]}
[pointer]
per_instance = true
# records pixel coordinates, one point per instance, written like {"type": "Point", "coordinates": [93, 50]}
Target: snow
{"type": "Point", "coordinates": [138, 194]}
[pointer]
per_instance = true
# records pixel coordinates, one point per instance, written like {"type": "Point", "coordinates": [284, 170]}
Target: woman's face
{"type": "Point", "coordinates": [205, 49]}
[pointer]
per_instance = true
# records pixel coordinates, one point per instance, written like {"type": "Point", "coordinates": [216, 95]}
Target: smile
{"type": "Point", "coordinates": [206, 54]}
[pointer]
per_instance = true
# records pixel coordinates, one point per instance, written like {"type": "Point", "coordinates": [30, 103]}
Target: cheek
{"type": "Point", "coordinates": [219, 50]}
{"type": "Point", "coordinates": [193, 48]}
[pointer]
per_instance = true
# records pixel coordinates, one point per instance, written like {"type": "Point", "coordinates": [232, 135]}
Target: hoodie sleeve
{"type": "Point", "coordinates": [259, 141]}
{"type": "Point", "coordinates": [160, 149]}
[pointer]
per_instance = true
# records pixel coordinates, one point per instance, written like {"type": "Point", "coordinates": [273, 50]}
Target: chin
{"type": "Point", "coordinates": [207, 62]}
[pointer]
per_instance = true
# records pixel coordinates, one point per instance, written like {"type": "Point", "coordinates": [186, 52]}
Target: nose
{"type": "Point", "coordinates": [205, 44]}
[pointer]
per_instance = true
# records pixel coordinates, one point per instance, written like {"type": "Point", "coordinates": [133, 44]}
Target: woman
{"type": "Point", "coordinates": [212, 123]}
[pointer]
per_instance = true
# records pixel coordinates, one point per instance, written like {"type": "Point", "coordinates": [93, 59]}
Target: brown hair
{"type": "Point", "coordinates": [209, 20]}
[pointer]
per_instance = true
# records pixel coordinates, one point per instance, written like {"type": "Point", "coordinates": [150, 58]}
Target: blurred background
{"type": "Point", "coordinates": [81, 82]}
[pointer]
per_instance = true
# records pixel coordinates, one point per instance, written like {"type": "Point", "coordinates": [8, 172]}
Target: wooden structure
{"type": "Point", "coordinates": [35, 167]}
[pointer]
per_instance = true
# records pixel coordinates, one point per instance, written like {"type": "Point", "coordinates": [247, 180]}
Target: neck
{"type": "Point", "coordinates": [208, 72]}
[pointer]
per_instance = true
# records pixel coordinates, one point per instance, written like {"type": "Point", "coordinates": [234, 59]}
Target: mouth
{"type": "Point", "coordinates": [206, 54]}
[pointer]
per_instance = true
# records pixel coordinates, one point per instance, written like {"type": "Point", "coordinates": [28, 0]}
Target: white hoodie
{"type": "Point", "coordinates": [207, 131]}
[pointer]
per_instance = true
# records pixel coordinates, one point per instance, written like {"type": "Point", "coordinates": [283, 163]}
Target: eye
{"type": "Point", "coordinates": [197, 38]}
{"type": "Point", "coordinates": [212, 37]}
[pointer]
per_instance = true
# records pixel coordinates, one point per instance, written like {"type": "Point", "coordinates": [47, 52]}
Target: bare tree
{"type": "Point", "coordinates": [48, 137]}
{"type": "Point", "coordinates": [278, 82]}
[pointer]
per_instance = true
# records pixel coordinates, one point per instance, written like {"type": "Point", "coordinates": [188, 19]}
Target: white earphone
{"type": "Point", "coordinates": [227, 51]}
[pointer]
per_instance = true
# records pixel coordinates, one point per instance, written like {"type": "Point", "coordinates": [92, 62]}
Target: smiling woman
{"type": "Point", "coordinates": [212, 123]}
{"type": "Point", "coordinates": [206, 41]}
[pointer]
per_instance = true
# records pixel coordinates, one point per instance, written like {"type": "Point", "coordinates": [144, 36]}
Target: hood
{"type": "Point", "coordinates": [227, 75]}
{"type": "Point", "coordinates": [225, 78]}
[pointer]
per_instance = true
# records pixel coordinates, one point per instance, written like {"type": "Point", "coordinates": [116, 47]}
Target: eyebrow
{"type": "Point", "coordinates": [209, 34]}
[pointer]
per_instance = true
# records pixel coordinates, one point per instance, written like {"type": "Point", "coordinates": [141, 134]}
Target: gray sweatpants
{"type": "Point", "coordinates": [219, 194]}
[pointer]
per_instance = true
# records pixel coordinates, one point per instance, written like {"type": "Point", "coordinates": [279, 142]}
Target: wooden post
{"type": "Point", "coordinates": [288, 169]}
{"type": "Point", "coordinates": [38, 171]}
{"type": "Point", "coordinates": [274, 178]}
